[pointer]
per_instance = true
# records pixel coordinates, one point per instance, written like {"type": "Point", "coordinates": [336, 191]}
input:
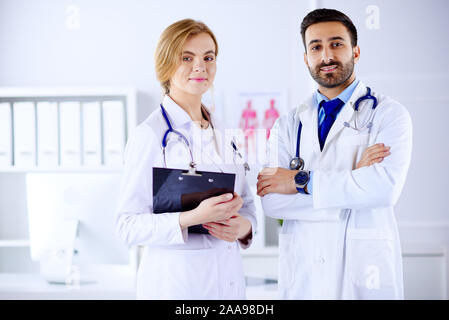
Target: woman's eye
{"type": "Point", "coordinates": [210, 58]}
{"type": "Point", "coordinates": [186, 58]}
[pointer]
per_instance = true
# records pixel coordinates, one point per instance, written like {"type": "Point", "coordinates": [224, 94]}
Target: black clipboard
{"type": "Point", "coordinates": [176, 190]}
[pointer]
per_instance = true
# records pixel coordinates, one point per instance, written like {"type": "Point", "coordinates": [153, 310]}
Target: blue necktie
{"type": "Point", "coordinates": [331, 109]}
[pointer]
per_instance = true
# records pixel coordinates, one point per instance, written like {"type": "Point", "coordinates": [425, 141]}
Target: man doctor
{"type": "Point", "coordinates": [339, 238]}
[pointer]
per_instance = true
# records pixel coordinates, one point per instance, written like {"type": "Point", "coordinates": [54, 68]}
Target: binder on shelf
{"type": "Point", "coordinates": [24, 134]}
{"type": "Point", "coordinates": [47, 134]}
{"type": "Point", "coordinates": [91, 135]}
{"type": "Point", "coordinates": [113, 133]}
{"type": "Point", "coordinates": [5, 135]}
{"type": "Point", "coordinates": [70, 134]}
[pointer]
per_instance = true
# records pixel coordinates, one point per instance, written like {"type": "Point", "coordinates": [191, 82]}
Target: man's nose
{"type": "Point", "coordinates": [327, 55]}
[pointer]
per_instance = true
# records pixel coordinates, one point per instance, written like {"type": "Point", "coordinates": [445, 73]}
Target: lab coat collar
{"type": "Point", "coordinates": [307, 110]}
{"type": "Point", "coordinates": [346, 113]}
{"type": "Point", "coordinates": [178, 116]}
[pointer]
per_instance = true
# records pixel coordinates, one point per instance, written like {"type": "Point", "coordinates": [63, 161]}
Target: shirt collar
{"type": "Point", "coordinates": [343, 96]}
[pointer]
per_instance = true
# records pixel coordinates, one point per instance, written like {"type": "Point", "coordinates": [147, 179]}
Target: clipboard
{"type": "Point", "coordinates": [176, 190]}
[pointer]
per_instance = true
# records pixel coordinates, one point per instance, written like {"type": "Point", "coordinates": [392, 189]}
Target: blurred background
{"type": "Point", "coordinates": [78, 60]}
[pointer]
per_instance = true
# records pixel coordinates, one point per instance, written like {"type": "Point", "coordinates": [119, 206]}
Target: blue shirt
{"type": "Point", "coordinates": [344, 96]}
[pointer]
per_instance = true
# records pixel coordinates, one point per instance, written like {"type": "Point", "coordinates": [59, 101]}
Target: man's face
{"type": "Point", "coordinates": [329, 55]}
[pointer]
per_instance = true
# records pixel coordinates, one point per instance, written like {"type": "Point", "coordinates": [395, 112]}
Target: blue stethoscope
{"type": "Point", "coordinates": [297, 163]}
{"type": "Point", "coordinates": [192, 164]}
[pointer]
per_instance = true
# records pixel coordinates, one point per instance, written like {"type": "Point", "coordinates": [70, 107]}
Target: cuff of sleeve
{"type": "Point", "coordinates": [310, 184]}
{"type": "Point", "coordinates": [178, 235]}
{"type": "Point", "coordinates": [252, 220]}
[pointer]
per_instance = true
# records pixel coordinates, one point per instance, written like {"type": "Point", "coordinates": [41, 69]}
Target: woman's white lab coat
{"type": "Point", "coordinates": [342, 241]}
{"type": "Point", "coordinates": [175, 264]}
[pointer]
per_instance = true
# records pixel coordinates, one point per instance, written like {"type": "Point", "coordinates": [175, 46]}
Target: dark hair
{"type": "Point", "coordinates": [327, 15]}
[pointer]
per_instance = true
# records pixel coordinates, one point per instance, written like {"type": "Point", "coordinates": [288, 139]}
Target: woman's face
{"type": "Point", "coordinates": [196, 71]}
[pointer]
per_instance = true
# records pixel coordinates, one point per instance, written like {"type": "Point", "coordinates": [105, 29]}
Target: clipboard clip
{"type": "Point", "coordinates": [192, 170]}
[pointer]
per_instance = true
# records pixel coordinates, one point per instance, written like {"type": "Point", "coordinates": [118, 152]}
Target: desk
{"type": "Point", "coordinates": [19, 286]}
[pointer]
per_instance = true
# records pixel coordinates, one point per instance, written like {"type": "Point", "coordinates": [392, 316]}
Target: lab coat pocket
{"type": "Point", "coordinates": [371, 263]}
{"type": "Point", "coordinates": [287, 260]}
{"type": "Point", "coordinates": [355, 139]}
{"type": "Point", "coordinates": [351, 148]}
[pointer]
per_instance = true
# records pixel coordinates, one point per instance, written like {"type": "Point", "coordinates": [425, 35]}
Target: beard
{"type": "Point", "coordinates": [333, 79]}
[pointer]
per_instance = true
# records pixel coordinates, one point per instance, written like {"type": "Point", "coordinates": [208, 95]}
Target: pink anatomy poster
{"type": "Point", "coordinates": [252, 115]}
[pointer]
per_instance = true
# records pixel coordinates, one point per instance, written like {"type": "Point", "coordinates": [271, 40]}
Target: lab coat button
{"type": "Point", "coordinates": [320, 260]}
{"type": "Point", "coordinates": [231, 283]}
{"type": "Point", "coordinates": [229, 247]}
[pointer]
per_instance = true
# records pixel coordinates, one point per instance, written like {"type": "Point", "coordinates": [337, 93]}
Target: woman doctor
{"type": "Point", "coordinates": [177, 264]}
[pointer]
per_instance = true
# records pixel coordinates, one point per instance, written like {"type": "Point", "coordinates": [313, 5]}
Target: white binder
{"type": "Point", "coordinates": [5, 135]}
{"type": "Point", "coordinates": [114, 133]}
{"type": "Point", "coordinates": [24, 134]}
{"type": "Point", "coordinates": [70, 134]}
{"type": "Point", "coordinates": [91, 134]}
{"type": "Point", "coordinates": [47, 134]}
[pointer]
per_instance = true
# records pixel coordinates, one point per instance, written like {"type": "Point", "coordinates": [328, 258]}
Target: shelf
{"type": "Point", "coordinates": [14, 243]}
{"type": "Point", "coordinates": [60, 170]}
{"type": "Point", "coordinates": [6, 92]}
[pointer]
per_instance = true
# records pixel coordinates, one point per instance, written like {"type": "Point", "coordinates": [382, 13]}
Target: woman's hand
{"type": "Point", "coordinates": [212, 209]}
{"type": "Point", "coordinates": [374, 154]}
{"type": "Point", "coordinates": [235, 228]}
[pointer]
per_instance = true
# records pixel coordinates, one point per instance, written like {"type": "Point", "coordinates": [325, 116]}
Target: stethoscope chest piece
{"type": "Point", "coordinates": [296, 163]}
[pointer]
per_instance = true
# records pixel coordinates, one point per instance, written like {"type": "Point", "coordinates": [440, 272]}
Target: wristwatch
{"type": "Point", "coordinates": [301, 180]}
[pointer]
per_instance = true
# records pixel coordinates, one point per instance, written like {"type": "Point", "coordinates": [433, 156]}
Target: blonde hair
{"type": "Point", "coordinates": [169, 47]}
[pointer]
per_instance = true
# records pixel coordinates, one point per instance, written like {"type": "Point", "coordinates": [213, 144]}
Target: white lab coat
{"type": "Point", "coordinates": [342, 241]}
{"type": "Point", "coordinates": [175, 264]}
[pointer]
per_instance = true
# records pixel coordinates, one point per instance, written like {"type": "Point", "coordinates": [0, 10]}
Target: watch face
{"type": "Point", "coordinates": [301, 178]}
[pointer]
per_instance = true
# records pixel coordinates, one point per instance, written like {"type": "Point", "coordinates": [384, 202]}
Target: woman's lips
{"type": "Point", "coordinates": [198, 79]}
{"type": "Point", "coordinates": [328, 68]}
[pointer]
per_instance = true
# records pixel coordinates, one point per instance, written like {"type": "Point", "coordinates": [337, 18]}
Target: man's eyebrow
{"type": "Point", "coordinates": [336, 38]}
{"type": "Point", "coordinates": [207, 52]}
{"type": "Point", "coordinates": [314, 41]}
{"type": "Point", "coordinates": [328, 39]}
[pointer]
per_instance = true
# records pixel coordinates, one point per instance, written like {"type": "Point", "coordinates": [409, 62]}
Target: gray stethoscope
{"type": "Point", "coordinates": [192, 164]}
{"type": "Point", "coordinates": [297, 163]}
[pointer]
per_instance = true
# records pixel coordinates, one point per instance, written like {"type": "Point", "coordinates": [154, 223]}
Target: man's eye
{"type": "Point", "coordinates": [337, 44]}
{"type": "Point", "coordinates": [314, 48]}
